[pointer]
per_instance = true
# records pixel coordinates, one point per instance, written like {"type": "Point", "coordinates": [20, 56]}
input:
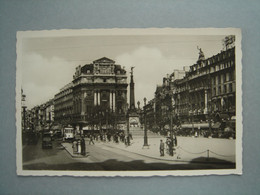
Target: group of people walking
{"type": "Point", "coordinates": [79, 146]}
{"type": "Point", "coordinates": [115, 137]}
{"type": "Point", "coordinates": [171, 143]}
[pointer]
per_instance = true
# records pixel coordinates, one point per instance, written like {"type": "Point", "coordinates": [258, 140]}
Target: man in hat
{"type": "Point", "coordinates": [161, 148]}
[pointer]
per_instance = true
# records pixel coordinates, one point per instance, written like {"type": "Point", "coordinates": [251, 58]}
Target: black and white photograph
{"type": "Point", "coordinates": [129, 102]}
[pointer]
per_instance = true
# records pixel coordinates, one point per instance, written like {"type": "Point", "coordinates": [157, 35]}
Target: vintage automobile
{"type": "Point", "coordinates": [32, 137]}
{"type": "Point", "coordinates": [57, 134]}
{"type": "Point", "coordinates": [46, 140]}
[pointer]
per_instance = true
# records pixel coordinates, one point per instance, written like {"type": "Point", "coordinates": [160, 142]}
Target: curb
{"type": "Point", "coordinates": [73, 156]}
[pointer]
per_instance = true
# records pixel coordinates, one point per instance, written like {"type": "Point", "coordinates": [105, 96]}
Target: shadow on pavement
{"type": "Point", "coordinates": [115, 165]}
{"type": "Point", "coordinates": [212, 161]}
{"type": "Point", "coordinates": [32, 152]}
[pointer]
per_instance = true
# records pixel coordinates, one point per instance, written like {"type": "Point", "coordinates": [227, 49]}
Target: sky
{"type": "Point", "coordinates": [48, 63]}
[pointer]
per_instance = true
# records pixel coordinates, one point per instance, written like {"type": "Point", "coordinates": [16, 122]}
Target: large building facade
{"type": "Point", "coordinates": [203, 96]}
{"type": "Point", "coordinates": [63, 105]}
{"type": "Point", "coordinates": [208, 88]}
{"type": "Point", "coordinates": [96, 98]}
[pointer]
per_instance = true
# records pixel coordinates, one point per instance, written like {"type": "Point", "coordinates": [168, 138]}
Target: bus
{"type": "Point", "coordinates": [68, 133]}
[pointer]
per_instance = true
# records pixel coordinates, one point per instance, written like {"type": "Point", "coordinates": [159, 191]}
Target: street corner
{"type": "Point", "coordinates": [68, 147]}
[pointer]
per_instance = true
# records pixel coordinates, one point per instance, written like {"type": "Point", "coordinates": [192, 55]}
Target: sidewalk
{"type": "Point", "coordinates": [68, 147]}
{"type": "Point", "coordinates": [189, 149]}
{"type": "Point", "coordinates": [152, 151]}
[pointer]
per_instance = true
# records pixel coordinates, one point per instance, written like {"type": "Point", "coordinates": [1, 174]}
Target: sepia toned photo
{"type": "Point", "coordinates": [129, 102]}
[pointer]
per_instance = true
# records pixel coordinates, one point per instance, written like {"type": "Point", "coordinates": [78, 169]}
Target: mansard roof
{"type": "Point", "coordinates": [119, 68]}
{"type": "Point", "coordinates": [87, 67]}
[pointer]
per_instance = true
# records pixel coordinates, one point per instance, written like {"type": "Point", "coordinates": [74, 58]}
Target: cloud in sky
{"type": "Point", "coordinates": [42, 78]}
{"type": "Point", "coordinates": [150, 68]}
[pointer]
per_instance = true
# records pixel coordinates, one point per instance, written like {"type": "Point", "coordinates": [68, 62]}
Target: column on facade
{"type": "Point", "coordinates": [95, 98]}
{"type": "Point", "coordinates": [110, 100]}
{"type": "Point", "coordinates": [125, 102]}
{"type": "Point", "coordinates": [217, 83]}
{"type": "Point", "coordinates": [114, 101]}
{"type": "Point", "coordinates": [206, 102]}
{"type": "Point", "coordinates": [98, 99]}
{"type": "Point", "coordinates": [83, 103]}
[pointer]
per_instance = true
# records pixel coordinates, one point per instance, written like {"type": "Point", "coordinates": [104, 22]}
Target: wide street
{"type": "Point", "coordinates": [102, 157]}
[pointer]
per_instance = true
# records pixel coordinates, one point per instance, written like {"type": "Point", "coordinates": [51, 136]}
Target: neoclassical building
{"type": "Point", "coordinates": [96, 98]}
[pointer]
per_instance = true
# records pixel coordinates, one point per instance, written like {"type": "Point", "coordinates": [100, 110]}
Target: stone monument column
{"type": "Point", "coordinates": [132, 91]}
{"type": "Point", "coordinates": [134, 118]}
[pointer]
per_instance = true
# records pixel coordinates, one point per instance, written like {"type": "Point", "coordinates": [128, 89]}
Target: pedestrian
{"type": "Point", "coordinates": [175, 139]}
{"type": "Point", "coordinates": [116, 138]}
{"type": "Point", "coordinates": [125, 140]}
{"type": "Point", "coordinates": [91, 140]}
{"type": "Point", "coordinates": [168, 142]}
{"type": "Point", "coordinates": [83, 147]}
{"type": "Point", "coordinates": [131, 136]}
{"type": "Point", "coordinates": [171, 147]}
{"type": "Point", "coordinates": [74, 146]}
{"type": "Point", "coordinates": [128, 140]}
{"type": "Point", "coordinates": [79, 146]}
{"type": "Point", "coordinates": [161, 148]}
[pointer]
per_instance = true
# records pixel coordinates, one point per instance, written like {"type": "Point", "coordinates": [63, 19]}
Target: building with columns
{"type": "Point", "coordinates": [199, 97]}
{"type": "Point", "coordinates": [208, 88]}
{"type": "Point", "coordinates": [99, 95]}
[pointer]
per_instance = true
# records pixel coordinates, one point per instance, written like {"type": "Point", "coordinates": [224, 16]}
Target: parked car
{"type": "Point", "coordinates": [57, 134]}
{"type": "Point", "coordinates": [46, 140]}
{"type": "Point", "coordinates": [32, 138]}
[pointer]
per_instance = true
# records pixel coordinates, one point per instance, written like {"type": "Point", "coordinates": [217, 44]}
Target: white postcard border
{"type": "Point", "coordinates": [145, 31]}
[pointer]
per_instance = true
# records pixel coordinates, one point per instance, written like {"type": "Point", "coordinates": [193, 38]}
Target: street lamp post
{"type": "Point", "coordinates": [127, 129]}
{"type": "Point", "coordinates": [145, 128]}
{"type": "Point", "coordinates": [24, 111]}
{"type": "Point", "coordinates": [106, 119]}
{"type": "Point", "coordinates": [171, 133]}
{"type": "Point", "coordinates": [24, 119]}
{"type": "Point", "coordinates": [209, 116]}
{"type": "Point", "coordinates": [192, 122]}
{"type": "Point", "coordinates": [209, 103]}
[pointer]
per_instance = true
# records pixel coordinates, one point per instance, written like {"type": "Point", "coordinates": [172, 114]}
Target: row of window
{"type": "Point", "coordinates": [222, 89]}
{"type": "Point", "coordinates": [221, 66]}
{"type": "Point", "coordinates": [212, 61]}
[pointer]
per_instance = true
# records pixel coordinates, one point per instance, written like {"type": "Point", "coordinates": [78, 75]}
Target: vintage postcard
{"type": "Point", "coordinates": [129, 102]}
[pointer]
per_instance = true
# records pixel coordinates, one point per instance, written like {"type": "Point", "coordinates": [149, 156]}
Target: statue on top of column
{"type": "Point", "coordinates": [132, 70]}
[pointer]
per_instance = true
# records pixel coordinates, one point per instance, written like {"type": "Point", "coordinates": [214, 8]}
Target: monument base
{"type": "Point", "coordinates": [134, 120]}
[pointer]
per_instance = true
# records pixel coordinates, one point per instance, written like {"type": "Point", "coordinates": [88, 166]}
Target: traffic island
{"type": "Point", "coordinates": [69, 149]}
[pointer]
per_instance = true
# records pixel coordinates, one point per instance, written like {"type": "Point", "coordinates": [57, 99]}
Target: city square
{"type": "Point", "coordinates": [140, 109]}
{"type": "Point", "coordinates": [112, 156]}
